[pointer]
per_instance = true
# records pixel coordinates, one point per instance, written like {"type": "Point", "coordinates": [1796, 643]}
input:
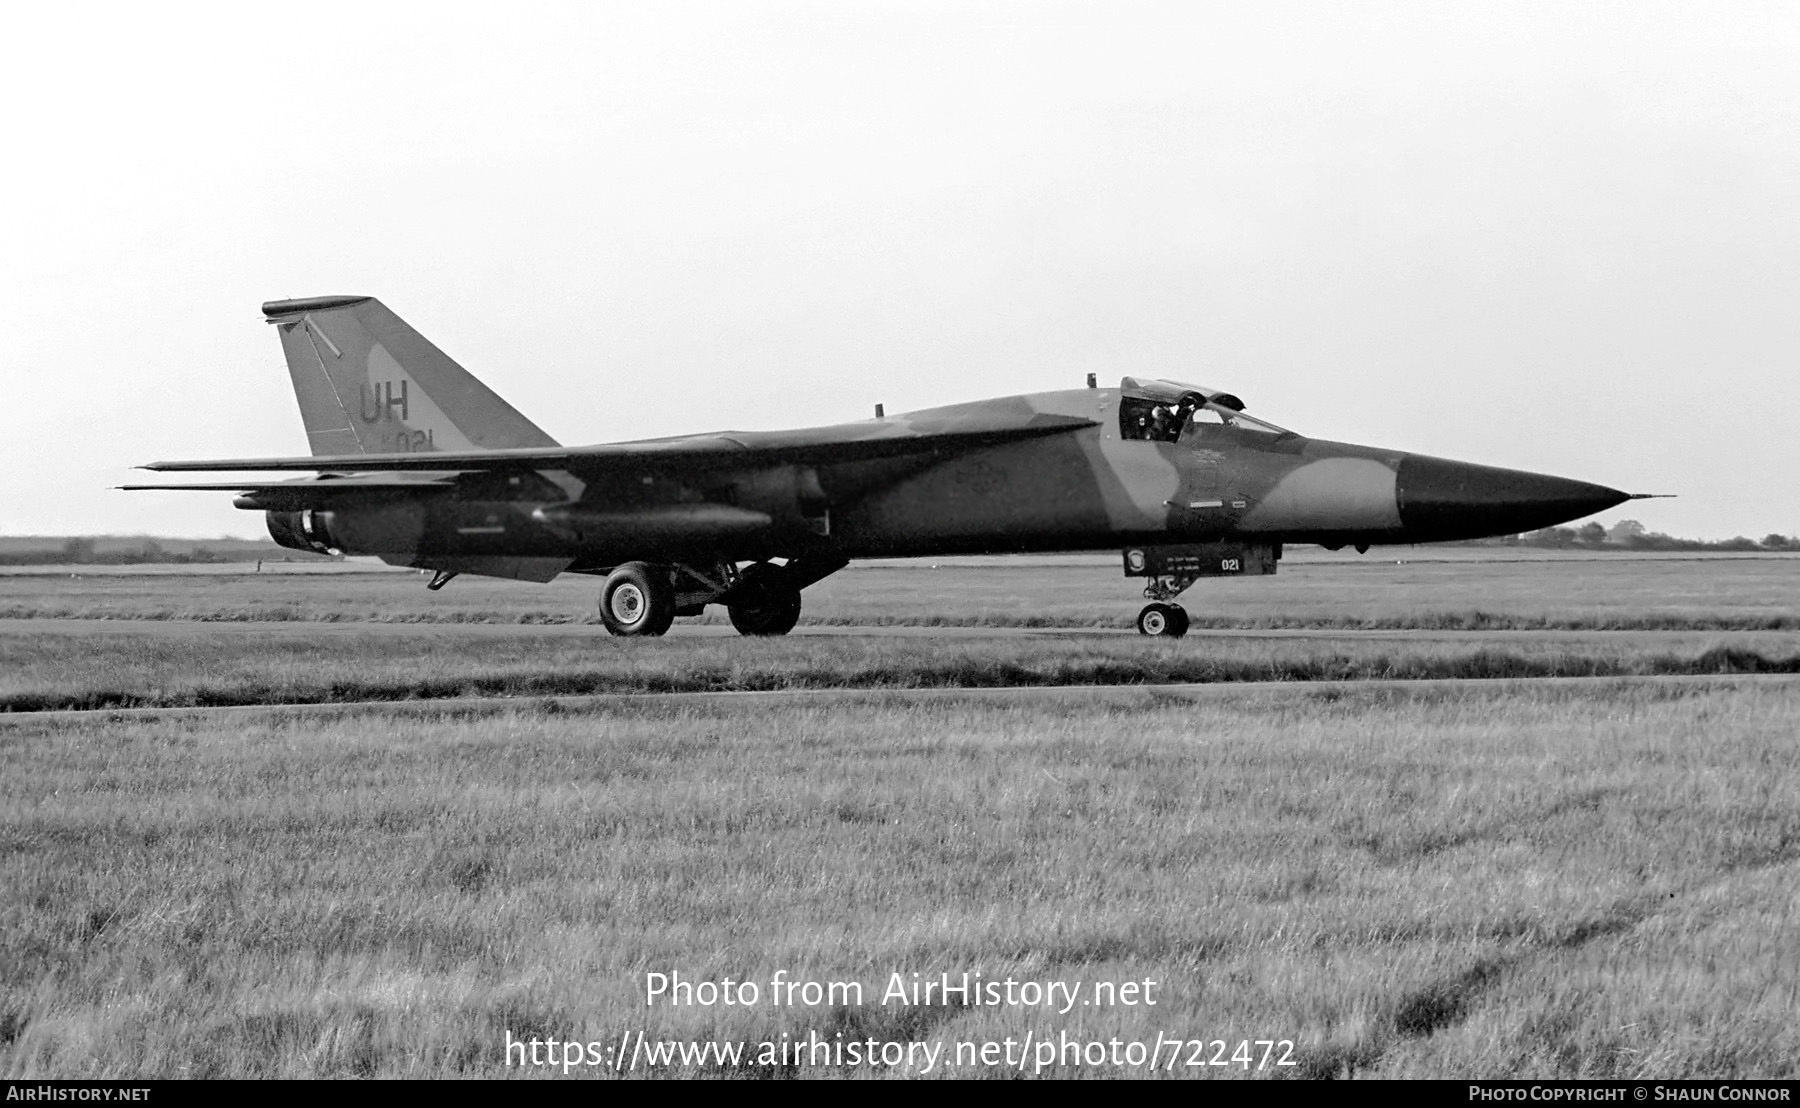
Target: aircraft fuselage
{"type": "Point", "coordinates": [418, 462]}
{"type": "Point", "coordinates": [1092, 488]}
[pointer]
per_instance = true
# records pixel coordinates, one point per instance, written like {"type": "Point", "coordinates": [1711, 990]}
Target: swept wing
{"type": "Point", "coordinates": [850, 442]}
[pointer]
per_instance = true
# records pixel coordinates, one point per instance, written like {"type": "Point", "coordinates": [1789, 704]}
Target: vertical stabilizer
{"type": "Point", "coordinates": [369, 384]}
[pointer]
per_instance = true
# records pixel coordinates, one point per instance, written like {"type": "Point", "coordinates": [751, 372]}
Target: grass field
{"type": "Point", "coordinates": [1506, 883]}
{"type": "Point", "coordinates": [176, 666]}
{"type": "Point", "coordinates": [1520, 880]}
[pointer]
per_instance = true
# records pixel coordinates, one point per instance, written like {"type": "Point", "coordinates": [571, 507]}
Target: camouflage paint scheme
{"type": "Point", "coordinates": [419, 463]}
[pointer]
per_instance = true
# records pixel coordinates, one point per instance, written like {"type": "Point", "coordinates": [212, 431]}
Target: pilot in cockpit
{"type": "Point", "coordinates": [1174, 413]}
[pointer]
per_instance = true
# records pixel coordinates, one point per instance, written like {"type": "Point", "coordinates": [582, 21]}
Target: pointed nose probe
{"type": "Point", "coordinates": [1441, 499]}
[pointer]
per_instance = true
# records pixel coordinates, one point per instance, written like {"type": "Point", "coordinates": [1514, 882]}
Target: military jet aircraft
{"type": "Point", "coordinates": [418, 463]}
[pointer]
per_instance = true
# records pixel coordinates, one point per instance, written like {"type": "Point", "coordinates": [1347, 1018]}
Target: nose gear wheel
{"type": "Point", "coordinates": [1163, 620]}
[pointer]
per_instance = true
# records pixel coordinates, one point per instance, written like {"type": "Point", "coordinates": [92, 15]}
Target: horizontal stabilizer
{"type": "Point", "coordinates": [328, 487]}
{"type": "Point", "coordinates": [311, 492]}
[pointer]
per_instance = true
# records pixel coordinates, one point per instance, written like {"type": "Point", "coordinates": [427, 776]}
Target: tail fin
{"type": "Point", "coordinates": [369, 384]}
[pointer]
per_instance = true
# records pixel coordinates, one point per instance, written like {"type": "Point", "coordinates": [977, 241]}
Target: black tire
{"type": "Point", "coordinates": [1178, 621]}
{"type": "Point", "coordinates": [777, 618]}
{"type": "Point", "coordinates": [637, 599]}
{"type": "Point", "coordinates": [766, 608]}
{"type": "Point", "coordinates": [1169, 621]}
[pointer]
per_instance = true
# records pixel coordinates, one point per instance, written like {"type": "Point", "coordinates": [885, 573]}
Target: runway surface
{"type": "Point", "coordinates": [309, 628]}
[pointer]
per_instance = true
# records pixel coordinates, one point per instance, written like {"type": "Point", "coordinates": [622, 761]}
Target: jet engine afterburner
{"type": "Point", "coordinates": [308, 530]}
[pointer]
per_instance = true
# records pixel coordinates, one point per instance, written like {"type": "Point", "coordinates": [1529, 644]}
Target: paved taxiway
{"type": "Point", "coordinates": [1763, 640]}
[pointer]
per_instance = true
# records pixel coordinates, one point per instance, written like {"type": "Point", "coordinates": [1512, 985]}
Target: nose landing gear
{"type": "Point", "coordinates": [1169, 570]}
{"type": "Point", "coordinates": [1161, 616]}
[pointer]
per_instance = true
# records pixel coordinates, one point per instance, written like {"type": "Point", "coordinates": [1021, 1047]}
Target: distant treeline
{"type": "Point", "coordinates": [141, 550]}
{"type": "Point", "coordinates": [1631, 535]}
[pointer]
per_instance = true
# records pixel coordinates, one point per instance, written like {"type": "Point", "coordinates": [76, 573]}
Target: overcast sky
{"type": "Point", "coordinates": [1557, 237]}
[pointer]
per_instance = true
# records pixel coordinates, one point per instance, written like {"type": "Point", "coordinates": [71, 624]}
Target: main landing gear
{"type": "Point", "coordinates": [762, 599]}
{"type": "Point", "coordinates": [763, 605]}
{"type": "Point", "coordinates": [637, 599]}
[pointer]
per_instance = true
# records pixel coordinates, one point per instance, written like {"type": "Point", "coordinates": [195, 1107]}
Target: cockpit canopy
{"type": "Point", "coordinates": [1159, 410]}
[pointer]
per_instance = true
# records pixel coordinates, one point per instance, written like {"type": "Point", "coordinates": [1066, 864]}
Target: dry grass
{"type": "Point", "coordinates": [1529, 882]}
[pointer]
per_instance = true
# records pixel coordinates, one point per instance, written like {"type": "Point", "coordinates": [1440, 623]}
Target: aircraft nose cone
{"type": "Point", "coordinates": [1441, 499]}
